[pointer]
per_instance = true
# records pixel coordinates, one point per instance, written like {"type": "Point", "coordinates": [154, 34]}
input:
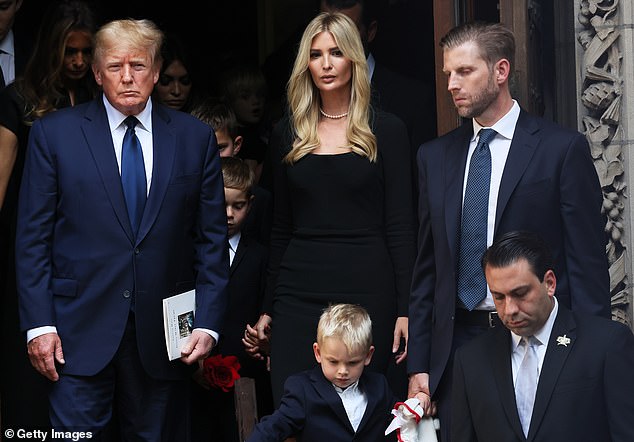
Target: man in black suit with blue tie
{"type": "Point", "coordinates": [121, 206]}
{"type": "Point", "coordinates": [502, 170]}
{"type": "Point", "coordinates": [573, 383]}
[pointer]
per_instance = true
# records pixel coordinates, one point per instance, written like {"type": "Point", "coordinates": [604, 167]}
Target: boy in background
{"type": "Point", "coordinates": [337, 400]}
{"type": "Point", "coordinates": [225, 125]}
{"type": "Point", "coordinates": [214, 410]}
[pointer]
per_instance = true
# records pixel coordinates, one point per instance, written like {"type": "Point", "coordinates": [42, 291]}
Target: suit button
{"type": "Point", "coordinates": [137, 251]}
{"type": "Point", "coordinates": [126, 294]}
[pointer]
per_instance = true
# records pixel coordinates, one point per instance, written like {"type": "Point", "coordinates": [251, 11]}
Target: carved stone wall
{"type": "Point", "coordinates": [604, 59]}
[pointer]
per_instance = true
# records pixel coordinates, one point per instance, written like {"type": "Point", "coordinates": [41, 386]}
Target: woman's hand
{"type": "Point", "coordinates": [256, 339]}
{"type": "Point", "coordinates": [400, 332]}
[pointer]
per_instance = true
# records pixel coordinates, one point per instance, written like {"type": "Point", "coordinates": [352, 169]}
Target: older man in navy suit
{"type": "Point", "coordinates": [577, 385]}
{"type": "Point", "coordinates": [503, 170]}
{"type": "Point", "coordinates": [121, 206]}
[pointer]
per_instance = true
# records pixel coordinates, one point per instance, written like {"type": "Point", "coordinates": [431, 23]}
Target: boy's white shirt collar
{"type": "Point", "coordinates": [354, 402]}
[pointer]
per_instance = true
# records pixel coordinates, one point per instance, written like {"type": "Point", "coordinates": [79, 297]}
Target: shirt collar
{"type": "Point", "coordinates": [505, 126]}
{"type": "Point", "coordinates": [7, 45]}
{"type": "Point", "coordinates": [115, 118]}
{"type": "Point", "coordinates": [234, 241]}
{"type": "Point", "coordinates": [543, 334]}
{"type": "Point", "coordinates": [352, 388]}
{"type": "Point", "coordinates": [371, 64]}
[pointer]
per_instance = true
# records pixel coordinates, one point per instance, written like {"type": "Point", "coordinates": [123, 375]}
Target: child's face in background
{"type": "Point", "coordinates": [339, 366]}
{"type": "Point", "coordinates": [237, 204]}
{"type": "Point", "coordinates": [227, 146]}
{"type": "Point", "coordinates": [248, 106]}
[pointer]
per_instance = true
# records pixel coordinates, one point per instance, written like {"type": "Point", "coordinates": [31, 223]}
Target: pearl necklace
{"type": "Point", "coordinates": [332, 117]}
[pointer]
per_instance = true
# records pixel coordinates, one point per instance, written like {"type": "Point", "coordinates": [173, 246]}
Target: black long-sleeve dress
{"type": "Point", "coordinates": [342, 232]}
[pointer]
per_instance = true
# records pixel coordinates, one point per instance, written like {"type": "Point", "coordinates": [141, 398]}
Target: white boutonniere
{"type": "Point", "coordinates": [563, 340]}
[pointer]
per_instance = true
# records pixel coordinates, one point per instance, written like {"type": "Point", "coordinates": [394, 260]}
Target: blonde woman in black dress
{"type": "Point", "coordinates": [343, 222]}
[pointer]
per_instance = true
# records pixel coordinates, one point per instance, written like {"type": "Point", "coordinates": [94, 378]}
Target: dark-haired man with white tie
{"type": "Point", "coordinates": [547, 374]}
{"type": "Point", "coordinates": [502, 170]}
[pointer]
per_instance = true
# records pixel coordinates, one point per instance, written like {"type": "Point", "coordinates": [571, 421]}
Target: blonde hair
{"type": "Point", "coordinates": [348, 322]}
{"type": "Point", "coordinates": [303, 95]}
{"type": "Point", "coordinates": [138, 33]}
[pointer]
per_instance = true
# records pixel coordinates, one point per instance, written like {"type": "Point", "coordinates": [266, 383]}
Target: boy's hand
{"type": "Point", "coordinates": [256, 339]}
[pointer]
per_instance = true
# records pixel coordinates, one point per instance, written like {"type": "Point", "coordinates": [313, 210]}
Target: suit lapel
{"type": "Point", "coordinates": [455, 168]}
{"type": "Point", "coordinates": [373, 400]}
{"type": "Point", "coordinates": [330, 396]}
{"type": "Point", "coordinates": [556, 355]}
{"type": "Point", "coordinates": [164, 149]}
{"type": "Point", "coordinates": [94, 127]}
{"type": "Point", "coordinates": [523, 146]}
{"type": "Point", "coordinates": [503, 373]}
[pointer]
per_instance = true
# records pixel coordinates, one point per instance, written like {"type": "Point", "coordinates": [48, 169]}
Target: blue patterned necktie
{"type": "Point", "coordinates": [472, 287]}
{"type": "Point", "coordinates": [133, 174]}
{"type": "Point", "coordinates": [526, 381]}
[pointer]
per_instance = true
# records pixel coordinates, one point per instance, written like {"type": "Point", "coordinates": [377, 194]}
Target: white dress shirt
{"type": "Point", "coordinates": [500, 146]}
{"type": "Point", "coordinates": [7, 58]}
{"type": "Point", "coordinates": [354, 401]}
{"type": "Point", "coordinates": [543, 335]}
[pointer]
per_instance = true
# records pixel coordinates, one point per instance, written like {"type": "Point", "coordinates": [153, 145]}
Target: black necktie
{"type": "Point", "coordinates": [133, 174]}
{"type": "Point", "coordinates": [472, 287]}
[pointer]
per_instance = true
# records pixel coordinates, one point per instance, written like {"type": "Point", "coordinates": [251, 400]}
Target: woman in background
{"type": "Point", "coordinates": [175, 86]}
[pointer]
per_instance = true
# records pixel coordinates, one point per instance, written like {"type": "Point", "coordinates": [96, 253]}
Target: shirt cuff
{"type": "Point", "coordinates": [39, 331]}
{"type": "Point", "coordinates": [212, 333]}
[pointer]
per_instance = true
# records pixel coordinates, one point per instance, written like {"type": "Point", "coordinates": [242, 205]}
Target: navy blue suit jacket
{"type": "Point", "coordinates": [584, 391]}
{"type": "Point", "coordinates": [77, 259]}
{"type": "Point", "coordinates": [311, 410]}
{"type": "Point", "coordinates": [549, 186]}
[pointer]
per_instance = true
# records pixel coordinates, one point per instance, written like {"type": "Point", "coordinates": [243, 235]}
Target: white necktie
{"type": "Point", "coordinates": [526, 383]}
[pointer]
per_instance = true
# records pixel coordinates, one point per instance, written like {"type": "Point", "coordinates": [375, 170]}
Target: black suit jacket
{"type": "Point", "coordinates": [311, 410]}
{"type": "Point", "coordinates": [584, 392]}
{"type": "Point", "coordinates": [247, 276]}
{"type": "Point", "coordinates": [410, 100]}
{"type": "Point", "coordinates": [549, 186]}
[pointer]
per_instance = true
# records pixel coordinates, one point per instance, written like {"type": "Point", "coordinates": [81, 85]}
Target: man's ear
{"type": "Point", "coordinates": [317, 352]}
{"type": "Point", "coordinates": [97, 74]}
{"type": "Point", "coordinates": [237, 144]}
{"type": "Point", "coordinates": [551, 282]}
{"type": "Point", "coordinates": [502, 70]}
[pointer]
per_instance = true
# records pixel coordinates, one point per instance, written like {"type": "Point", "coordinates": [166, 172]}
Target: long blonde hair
{"type": "Point", "coordinates": [303, 95]}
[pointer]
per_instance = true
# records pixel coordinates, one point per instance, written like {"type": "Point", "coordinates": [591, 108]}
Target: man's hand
{"type": "Point", "coordinates": [198, 347]}
{"type": "Point", "coordinates": [419, 388]}
{"type": "Point", "coordinates": [44, 351]}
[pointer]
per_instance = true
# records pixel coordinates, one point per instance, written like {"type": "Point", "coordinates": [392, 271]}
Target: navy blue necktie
{"type": "Point", "coordinates": [133, 174]}
{"type": "Point", "coordinates": [472, 286]}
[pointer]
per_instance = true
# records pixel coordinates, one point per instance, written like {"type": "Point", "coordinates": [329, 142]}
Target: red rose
{"type": "Point", "coordinates": [221, 371]}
